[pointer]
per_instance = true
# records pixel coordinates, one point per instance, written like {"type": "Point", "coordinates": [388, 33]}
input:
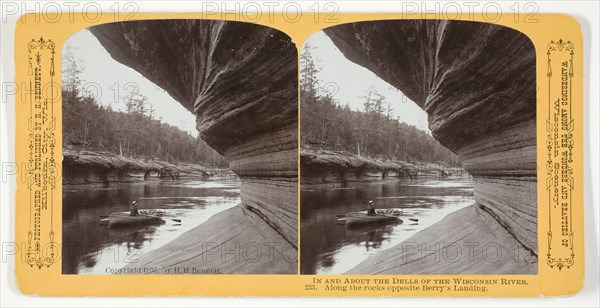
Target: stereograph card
{"type": "Point", "coordinates": [232, 154]}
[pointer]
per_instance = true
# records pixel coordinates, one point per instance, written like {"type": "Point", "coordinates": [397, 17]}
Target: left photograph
{"type": "Point", "coordinates": [180, 149]}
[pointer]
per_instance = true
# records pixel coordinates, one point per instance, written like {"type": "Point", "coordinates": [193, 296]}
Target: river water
{"type": "Point", "coordinates": [90, 247]}
{"type": "Point", "coordinates": [328, 247]}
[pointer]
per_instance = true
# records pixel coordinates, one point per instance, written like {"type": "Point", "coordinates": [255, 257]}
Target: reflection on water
{"type": "Point", "coordinates": [89, 246]}
{"type": "Point", "coordinates": [328, 247]}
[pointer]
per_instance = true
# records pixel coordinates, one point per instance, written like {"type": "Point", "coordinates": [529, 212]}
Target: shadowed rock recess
{"type": "Point", "coordinates": [476, 81]}
{"type": "Point", "coordinates": [240, 80]}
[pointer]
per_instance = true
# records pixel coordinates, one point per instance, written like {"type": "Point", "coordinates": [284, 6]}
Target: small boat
{"type": "Point", "coordinates": [122, 219]}
{"type": "Point", "coordinates": [361, 218]}
{"type": "Point", "coordinates": [389, 212]}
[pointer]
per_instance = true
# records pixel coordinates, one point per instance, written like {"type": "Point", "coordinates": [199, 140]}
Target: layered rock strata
{"type": "Point", "coordinates": [102, 169]}
{"type": "Point", "coordinates": [467, 241]}
{"type": "Point", "coordinates": [249, 249]}
{"type": "Point", "coordinates": [476, 81]}
{"type": "Point", "coordinates": [240, 80]}
{"type": "Point", "coordinates": [334, 167]}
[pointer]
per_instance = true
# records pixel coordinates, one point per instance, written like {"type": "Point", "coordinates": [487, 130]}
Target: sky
{"type": "Point", "coordinates": [110, 82]}
{"type": "Point", "coordinates": [348, 81]}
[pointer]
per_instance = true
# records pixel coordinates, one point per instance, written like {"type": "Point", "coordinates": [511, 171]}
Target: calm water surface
{"type": "Point", "coordinates": [91, 247]}
{"type": "Point", "coordinates": [328, 247]}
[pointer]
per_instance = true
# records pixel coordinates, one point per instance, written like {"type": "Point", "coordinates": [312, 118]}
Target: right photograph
{"type": "Point", "coordinates": [418, 149]}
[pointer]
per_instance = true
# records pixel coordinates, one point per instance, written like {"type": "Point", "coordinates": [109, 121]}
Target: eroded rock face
{"type": "Point", "coordinates": [433, 251]}
{"type": "Point", "coordinates": [101, 169]}
{"type": "Point", "coordinates": [476, 81]}
{"type": "Point", "coordinates": [248, 235]}
{"type": "Point", "coordinates": [333, 167]}
{"type": "Point", "coordinates": [82, 168]}
{"type": "Point", "coordinates": [240, 80]}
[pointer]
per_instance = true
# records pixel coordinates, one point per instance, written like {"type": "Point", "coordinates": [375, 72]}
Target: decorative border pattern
{"type": "Point", "coordinates": [42, 172]}
{"type": "Point", "coordinates": [559, 169]}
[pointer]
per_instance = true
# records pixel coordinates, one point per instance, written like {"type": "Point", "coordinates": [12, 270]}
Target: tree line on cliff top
{"type": "Point", "coordinates": [136, 133]}
{"type": "Point", "coordinates": [370, 132]}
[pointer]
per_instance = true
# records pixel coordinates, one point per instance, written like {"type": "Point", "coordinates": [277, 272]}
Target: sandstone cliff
{"type": "Point", "coordinates": [476, 81]}
{"type": "Point", "coordinates": [101, 169]}
{"type": "Point", "coordinates": [334, 167]}
{"type": "Point", "coordinates": [467, 241]}
{"type": "Point", "coordinates": [240, 80]}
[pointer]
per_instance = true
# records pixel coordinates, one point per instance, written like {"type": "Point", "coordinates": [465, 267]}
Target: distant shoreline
{"type": "Point", "coordinates": [95, 169]}
{"type": "Point", "coordinates": [326, 167]}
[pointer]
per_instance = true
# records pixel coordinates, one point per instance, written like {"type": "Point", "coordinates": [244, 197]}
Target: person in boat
{"type": "Point", "coordinates": [134, 209]}
{"type": "Point", "coordinates": [371, 208]}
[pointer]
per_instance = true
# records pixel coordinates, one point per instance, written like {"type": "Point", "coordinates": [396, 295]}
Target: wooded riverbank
{"type": "Point", "coordinates": [337, 167]}
{"type": "Point", "coordinates": [83, 168]}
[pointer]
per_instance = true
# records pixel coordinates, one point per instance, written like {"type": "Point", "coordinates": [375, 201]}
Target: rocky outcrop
{"type": "Point", "coordinates": [250, 249]}
{"type": "Point", "coordinates": [476, 81]}
{"type": "Point", "coordinates": [335, 167]}
{"type": "Point", "coordinates": [467, 241]}
{"type": "Point", "coordinates": [102, 169]}
{"type": "Point", "coordinates": [240, 80]}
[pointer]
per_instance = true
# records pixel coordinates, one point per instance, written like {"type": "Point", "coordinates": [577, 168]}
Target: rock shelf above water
{"type": "Point", "coordinates": [240, 80]}
{"type": "Point", "coordinates": [84, 168]}
{"type": "Point", "coordinates": [477, 83]}
{"type": "Point", "coordinates": [334, 167]}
